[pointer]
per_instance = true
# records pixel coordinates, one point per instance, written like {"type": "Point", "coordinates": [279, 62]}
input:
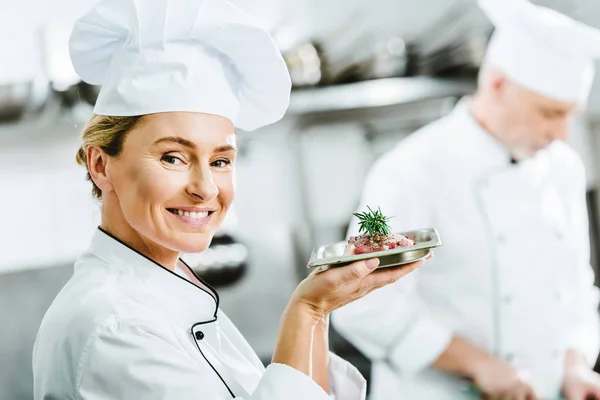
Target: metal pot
{"type": "Point", "coordinates": [22, 99]}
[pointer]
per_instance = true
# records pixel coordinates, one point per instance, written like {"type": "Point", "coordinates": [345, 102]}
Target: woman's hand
{"type": "Point", "coordinates": [326, 290]}
{"type": "Point", "coordinates": [315, 297]}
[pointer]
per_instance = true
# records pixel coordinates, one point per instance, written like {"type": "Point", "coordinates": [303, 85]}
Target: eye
{"type": "Point", "coordinates": [172, 160]}
{"type": "Point", "coordinates": [221, 163]}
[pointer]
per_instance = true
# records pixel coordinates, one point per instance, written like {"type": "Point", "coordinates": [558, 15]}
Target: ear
{"type": "Point", "coordinates": [498, 82]}
{"type": "Point", "coordinates": [97, 161]}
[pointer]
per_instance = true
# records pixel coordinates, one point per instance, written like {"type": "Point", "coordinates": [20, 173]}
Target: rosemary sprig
{"type": "Point", "coordinates": [373, 222]}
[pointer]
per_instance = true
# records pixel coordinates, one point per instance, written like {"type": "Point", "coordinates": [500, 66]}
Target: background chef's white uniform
{"type": "Point", "coordinates": [124, 327]}
{"type": "Point", "coordinates": [513, 275]}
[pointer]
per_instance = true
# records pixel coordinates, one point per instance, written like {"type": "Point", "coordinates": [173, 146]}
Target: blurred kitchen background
{"type": "Point", "coordinates": [365, 73]}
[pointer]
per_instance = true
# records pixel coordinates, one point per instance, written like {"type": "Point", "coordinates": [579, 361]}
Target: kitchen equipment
{"type": "Point", "coordinates": [390, 58]}
{"type": "Point", "coordinates": [371, 58]}
{"type": "Point", "coordinates": [454, 44]}
{"type": "Point", "coordinates": [332, 255]}
{"type": "Point", "coordinates": [305, 64]}
{"type": "Point", "coordinates": [13, 100]}
{"type": "Point", "coordinates": [21, 99]}
{"type": "Point", "coordinates": [78, 93]}
{"type": "Point", "coordinates": [222, 264]}
{"type": "Point", "coordinates": [347, 52]}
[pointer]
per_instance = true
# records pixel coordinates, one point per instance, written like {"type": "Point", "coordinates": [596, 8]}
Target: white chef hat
{"type": "Point", "coordinates": [541, 49]}
{"type": "Point", "coordinates": [204, 56]}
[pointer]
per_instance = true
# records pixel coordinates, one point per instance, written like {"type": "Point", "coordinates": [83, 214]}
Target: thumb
{"type": "Point", "coordinates": [357, 270]}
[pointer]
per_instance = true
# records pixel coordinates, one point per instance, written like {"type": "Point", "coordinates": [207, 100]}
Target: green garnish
{"type": "Point", "coordinates": [373, 222]}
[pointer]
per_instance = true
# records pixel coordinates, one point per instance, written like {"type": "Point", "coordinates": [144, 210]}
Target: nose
{"type": "Point", "coordinates": [202, 186]}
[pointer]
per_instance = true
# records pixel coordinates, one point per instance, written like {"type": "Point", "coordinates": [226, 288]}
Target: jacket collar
{"type": "Point", "coordinates": [155, 285]}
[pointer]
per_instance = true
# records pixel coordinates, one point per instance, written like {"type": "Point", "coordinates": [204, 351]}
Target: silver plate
{"type": "Point", "coordinates": [332, 255]}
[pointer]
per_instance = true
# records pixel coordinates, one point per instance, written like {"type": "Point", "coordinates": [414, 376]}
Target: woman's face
{"type": "Point", "coordinates": [174, 180]}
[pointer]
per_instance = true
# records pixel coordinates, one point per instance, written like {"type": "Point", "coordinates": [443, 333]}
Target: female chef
{"type": "Point", "coordinates": [134, 321]}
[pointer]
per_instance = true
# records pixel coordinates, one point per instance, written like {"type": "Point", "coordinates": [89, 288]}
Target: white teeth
{"type": "Point", "coordinates": [193, 214]}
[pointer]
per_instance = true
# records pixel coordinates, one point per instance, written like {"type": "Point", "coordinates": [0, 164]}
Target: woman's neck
{"type": "Point", "coordinates": [115, 223]}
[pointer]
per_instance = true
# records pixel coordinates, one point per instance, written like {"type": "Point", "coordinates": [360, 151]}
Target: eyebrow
{"type": "Point", "coordinates": [554, 111]}
{"type": "Point", "coordinates": [222, 149]}
{"type": "Point", "coordinates": [179, 140]}
{"type": "Point", "coordinates": [189, 144]}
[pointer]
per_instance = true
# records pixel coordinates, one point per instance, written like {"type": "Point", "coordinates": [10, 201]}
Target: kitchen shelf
{"type": "Point", "coordinates": [355, 100]}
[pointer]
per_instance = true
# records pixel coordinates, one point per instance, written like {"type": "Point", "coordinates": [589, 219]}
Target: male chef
{"type": "Point", "coordinates": [508, 307]}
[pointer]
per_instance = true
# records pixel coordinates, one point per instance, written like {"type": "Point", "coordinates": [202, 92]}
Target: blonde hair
{"type": "Point", "coordinates": [107, 133]}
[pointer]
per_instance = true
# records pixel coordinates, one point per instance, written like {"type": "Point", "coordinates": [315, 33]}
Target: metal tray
{"type": "Point", "coordinates": [332, 255]}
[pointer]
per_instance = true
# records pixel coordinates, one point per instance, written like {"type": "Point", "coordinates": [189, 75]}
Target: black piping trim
{"type": "Point", "coordinates": [214, 294]}
{"type": "Point", "coordinates": [201, 352]}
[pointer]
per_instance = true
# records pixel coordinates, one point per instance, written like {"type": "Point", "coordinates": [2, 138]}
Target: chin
{"type": "Point", "coordinates": [193, 242]}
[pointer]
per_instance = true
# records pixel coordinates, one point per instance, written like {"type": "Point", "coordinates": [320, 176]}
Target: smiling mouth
{"type": "Point", "coordinates": [190, 214]}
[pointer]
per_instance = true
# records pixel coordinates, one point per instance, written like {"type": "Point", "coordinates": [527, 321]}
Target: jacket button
{"type": "Point", "coordinates": [199, 335]}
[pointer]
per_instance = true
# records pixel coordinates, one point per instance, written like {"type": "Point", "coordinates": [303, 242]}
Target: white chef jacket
{"type": "Point", "coordinates": [512, 277]}
{"type": "Point", "coordinates": [124, 327]}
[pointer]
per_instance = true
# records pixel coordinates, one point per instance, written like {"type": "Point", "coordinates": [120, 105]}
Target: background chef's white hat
{"type": "Point", "coordinates": [181, 55]}
{"type": "Point", "coordinates": [541, 49]}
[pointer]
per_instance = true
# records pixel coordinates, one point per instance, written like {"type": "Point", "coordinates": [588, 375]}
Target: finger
{"type": "Point", "coordinates": [318, 270]}
{"type": "Point", "coordinates": [506, 396]}
{"type": "Point", "coordinates": [518, 395]}
{"type": "Point", "coordinates": [515, 393]}
{"type": "Point", "coordinates": [533, 395]}
{"type": "Point", "coordinates": [355, 271]}
{"type": "Point", "coordinates": [595, 391]}
{"type": "Point", "coordinates": [590, 395]}
{"type": "Point", "coordinates": [530, 395]}
{"type": "Point", "coordinates": [522, 393]}
{"type": "Point", "coordinates": [386, 276]}
{"type": "Point", "coordinates": [486, 396]}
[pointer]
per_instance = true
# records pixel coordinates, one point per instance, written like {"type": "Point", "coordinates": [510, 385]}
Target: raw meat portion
{"type": "Point", "coordinates": [365, 244]}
